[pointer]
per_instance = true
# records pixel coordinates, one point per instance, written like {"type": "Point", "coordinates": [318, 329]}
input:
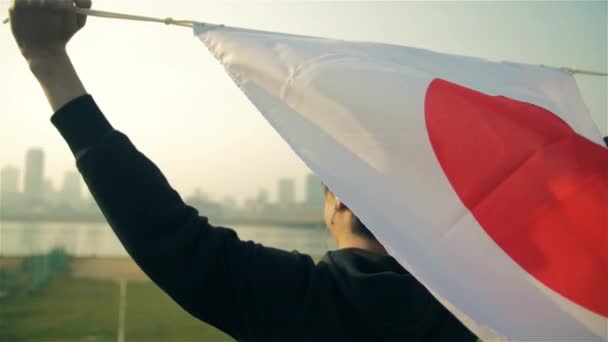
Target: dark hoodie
{"type": "Point", "coordinates": [251, 292]}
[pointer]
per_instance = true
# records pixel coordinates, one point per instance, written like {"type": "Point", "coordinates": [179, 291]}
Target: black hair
{"type": "Point", "coordinates": [356, 226]}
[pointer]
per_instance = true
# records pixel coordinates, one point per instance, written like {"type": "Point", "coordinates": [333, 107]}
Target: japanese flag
{"type": "Point", "coordinates": [487, 181]}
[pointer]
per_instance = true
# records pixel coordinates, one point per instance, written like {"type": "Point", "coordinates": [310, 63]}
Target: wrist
{"type": "Point", "coordinates": [47, 62]}
{"type": "Point", "coordinates": [57, 77]}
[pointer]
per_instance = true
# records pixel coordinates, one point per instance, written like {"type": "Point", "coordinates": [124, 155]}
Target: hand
{"type": "Point", "coordinates": [42, 28]}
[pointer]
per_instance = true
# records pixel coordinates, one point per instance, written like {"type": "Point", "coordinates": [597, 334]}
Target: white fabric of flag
{"type": "Point", "coordinates": [487, 181]}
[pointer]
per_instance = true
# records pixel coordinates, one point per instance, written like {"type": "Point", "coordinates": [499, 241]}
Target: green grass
{"type": "Point", "coordinates": [153, 316]}
{"type": "Point", "coordinates": [70, 309]}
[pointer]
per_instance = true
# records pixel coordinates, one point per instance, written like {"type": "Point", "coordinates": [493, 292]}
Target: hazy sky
{"type": "Point", "coordinates": [160, 85]}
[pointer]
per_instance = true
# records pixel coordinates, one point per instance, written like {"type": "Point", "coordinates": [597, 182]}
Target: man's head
{"type": "Point", "coordinates": [345, 227]}
{"type": "Point", "coordinates": [339, 217]}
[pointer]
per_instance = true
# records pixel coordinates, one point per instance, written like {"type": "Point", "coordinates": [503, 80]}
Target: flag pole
{"type": "Point", "coordinates": [114, 15]}
{"type": "Point", "coordinates": [191, 24]}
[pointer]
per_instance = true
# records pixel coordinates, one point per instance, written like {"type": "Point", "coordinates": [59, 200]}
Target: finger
{"type": "Point", "coordinates": [81, 20]}
{"type": "Point", "coordinates": [83, 3]}
{"type": "Point", "coordinates": [17, 4]}
{"type": "Point", "coordinates": [58, 4]}
{"type": "Point", "coordinates": [55, 4]}
{"type": "Point", "coordinates": [37, 3]}
{"type": "Point", "coordinates": [11, 12]}
{"type": "Point", "coordinates": [23, 6]}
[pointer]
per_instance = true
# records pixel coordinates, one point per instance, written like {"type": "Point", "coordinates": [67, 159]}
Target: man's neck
{"type": "Point", "coordinates": [355, 241]}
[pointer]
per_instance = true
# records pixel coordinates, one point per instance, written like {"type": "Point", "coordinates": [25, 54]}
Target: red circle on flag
{"type": "Point", "coordinates": [537, 188]}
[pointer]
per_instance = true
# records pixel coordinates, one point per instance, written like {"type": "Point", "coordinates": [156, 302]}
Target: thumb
{"type": "Point", "coordinates": [81, 19]}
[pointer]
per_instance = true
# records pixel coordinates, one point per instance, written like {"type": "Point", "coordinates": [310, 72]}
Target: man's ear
{"type": "Point", "coordinates": [339, 205]}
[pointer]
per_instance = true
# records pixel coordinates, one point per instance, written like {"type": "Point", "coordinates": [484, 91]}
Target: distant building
{"type": "Point", "coordinates": [262, 197]}
{"type": "Point", "coordinates": [314, 191]}
{"type": "Point", "coordinates": [286, 191]}
{"type": "Point", "coordinates": [205, 207]}
{"type": "Point", "coordinates": [9, 180]}
{"type": "Point", "coordinates": [200, 195]}
{"type": "Point", "coordinates": [251, 205]}
{"type": "Point", "coordinates": [49, 195]}
{"type": "Point", "coordinates": [33, 186]}
{"type": "Point", "coordinates": [229, 207]}
{"type": "Point", "coordinates": [229, 203]}
{"type": "Point", "coordinates": [71, 192]}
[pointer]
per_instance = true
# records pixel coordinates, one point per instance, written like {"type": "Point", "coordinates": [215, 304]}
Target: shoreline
{"type": "Point", "coordinates": [225, 223]}
{"type": "Point", "coordinates": [112, 268]}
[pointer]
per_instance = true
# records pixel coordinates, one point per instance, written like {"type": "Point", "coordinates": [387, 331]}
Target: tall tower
{"type": "Point", "coordinates": [314, 191]}
{"type": "Point", "coordinates": [286, 191]}
{"type": "Point", "coordinates": [33, 186]}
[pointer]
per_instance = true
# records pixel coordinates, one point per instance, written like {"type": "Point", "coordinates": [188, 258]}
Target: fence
{"type": "Point", "coordinates": [39, 267]}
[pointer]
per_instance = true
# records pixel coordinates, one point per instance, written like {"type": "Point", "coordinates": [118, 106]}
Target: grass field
{"type": "Point", "coordinates": [80, 309]}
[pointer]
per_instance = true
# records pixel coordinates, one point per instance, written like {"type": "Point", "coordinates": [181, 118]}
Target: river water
{"type": "Point", "coordinates": [98, 239]}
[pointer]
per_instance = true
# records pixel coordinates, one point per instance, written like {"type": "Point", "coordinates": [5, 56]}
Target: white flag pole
{"type": "Point", "coordinates": [191, 24]}
{"type": "Point", "coordinates": [114, 15]}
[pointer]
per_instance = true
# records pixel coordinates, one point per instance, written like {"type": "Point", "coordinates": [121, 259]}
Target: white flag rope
{"type": "Point", "coordinates": [202, 26]}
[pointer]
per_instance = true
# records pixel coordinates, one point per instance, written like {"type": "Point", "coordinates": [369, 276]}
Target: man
{"type": "Point", "coordinates": [253, 293]}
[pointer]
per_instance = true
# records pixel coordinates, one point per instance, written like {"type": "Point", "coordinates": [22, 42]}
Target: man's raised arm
{"type": "Point", "coordinates": [242, 288]}
{"type": "Point", "coordinates": [167, 238]}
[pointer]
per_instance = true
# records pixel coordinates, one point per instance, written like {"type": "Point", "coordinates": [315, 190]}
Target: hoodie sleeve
{"type": "Point", "coordinates": [239, 287]}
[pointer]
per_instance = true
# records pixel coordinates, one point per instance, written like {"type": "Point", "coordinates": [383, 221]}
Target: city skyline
{"type": "Point", "coordinates": [32, 183]}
